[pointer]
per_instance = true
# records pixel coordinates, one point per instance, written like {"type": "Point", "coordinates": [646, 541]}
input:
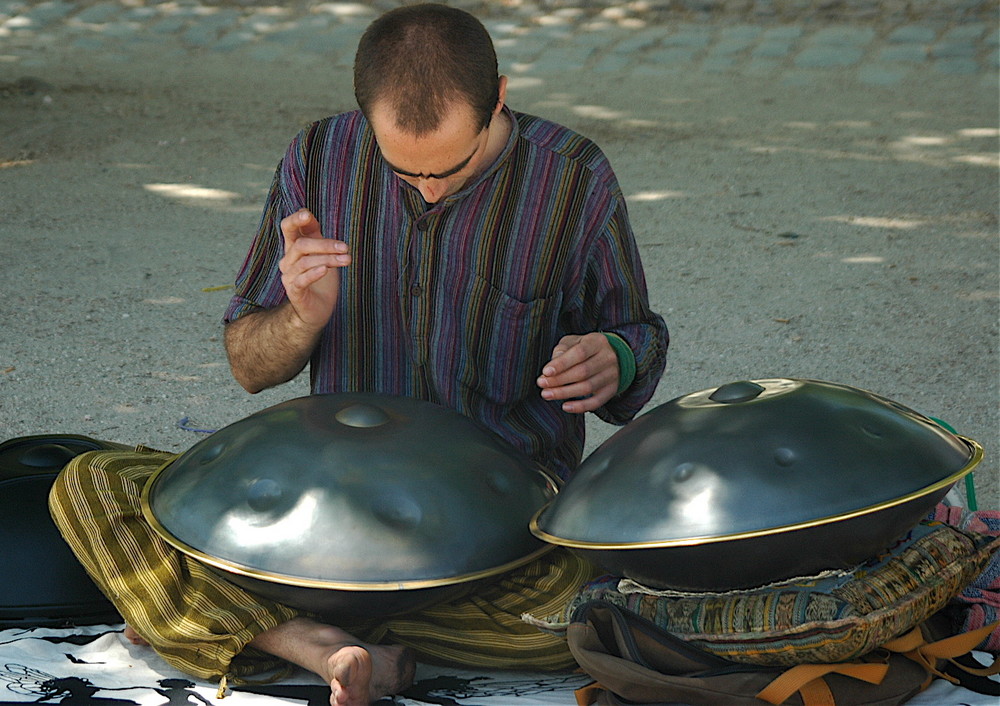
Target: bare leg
{"type": "Point", "coordinates": [358, 674]}
{"type": "Point", "coordinates": [135, 638]}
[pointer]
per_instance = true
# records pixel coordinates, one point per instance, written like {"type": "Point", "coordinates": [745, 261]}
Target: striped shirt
{"type": "Point", "coordinates": [461, 302]}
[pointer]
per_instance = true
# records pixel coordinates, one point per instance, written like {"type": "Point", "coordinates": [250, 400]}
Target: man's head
{"type": "Point", "coordinates": [426, 78]}
{"type": "Point", "coordinates": [418, 61]}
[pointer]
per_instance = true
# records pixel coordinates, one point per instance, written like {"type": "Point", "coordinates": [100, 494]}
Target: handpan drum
{"type": "Point", "coordinates": [352, 505]}
{"type": "Point", "coordinates": [42, 583]}
{"type": "Point", "coordinates": [755, 482]}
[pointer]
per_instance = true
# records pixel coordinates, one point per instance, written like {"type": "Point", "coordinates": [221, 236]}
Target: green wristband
{"type": "Point", "coordinates": [626, 361]}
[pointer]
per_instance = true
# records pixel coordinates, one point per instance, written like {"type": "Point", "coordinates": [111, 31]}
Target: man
{"type": "Point", "coordinates": [435, 245]}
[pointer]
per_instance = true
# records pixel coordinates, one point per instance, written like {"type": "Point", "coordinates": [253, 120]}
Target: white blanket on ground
{"type": "Point", "coordinates": [97, 666]}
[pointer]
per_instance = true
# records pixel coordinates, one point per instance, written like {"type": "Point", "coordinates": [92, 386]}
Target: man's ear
{"type": "Point", "coordinates": [501, 95]}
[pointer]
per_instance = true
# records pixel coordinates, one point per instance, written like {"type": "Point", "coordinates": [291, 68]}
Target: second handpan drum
{"type": "Point", "coordinates": [755, 482]}
{"type": "Point", "coordinates": [352, 504]}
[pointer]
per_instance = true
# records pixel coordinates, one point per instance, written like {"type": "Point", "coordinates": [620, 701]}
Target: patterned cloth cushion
{"type": "Point", "coordinates": [978, 605]}
{"type": "Point", "coordinates": [833, 618]}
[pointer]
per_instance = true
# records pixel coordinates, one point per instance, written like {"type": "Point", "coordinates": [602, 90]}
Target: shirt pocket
{"type": "Point", "coordinates": [506, 342]}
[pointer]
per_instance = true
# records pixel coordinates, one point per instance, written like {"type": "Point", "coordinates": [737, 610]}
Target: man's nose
{"type": "Point", "coordinates": [431, 189]}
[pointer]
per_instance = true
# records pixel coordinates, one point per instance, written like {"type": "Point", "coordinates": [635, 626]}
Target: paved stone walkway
{"type": "Point", "coordinates": [881, 43]}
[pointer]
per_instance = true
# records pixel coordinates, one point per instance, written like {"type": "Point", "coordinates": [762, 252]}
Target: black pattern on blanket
{"type": "Point", "coordinates": [97, 666]}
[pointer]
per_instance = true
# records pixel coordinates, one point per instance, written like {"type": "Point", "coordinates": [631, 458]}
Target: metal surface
{"type": "Point", "coordinates": [352, 503]}
{"type": "Point", "coordinates": [43, 583]}
{"type": "Point", "coordinates": [754, 482]}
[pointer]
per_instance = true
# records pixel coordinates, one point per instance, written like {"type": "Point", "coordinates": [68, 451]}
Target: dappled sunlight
{"type": "Point", "coordinates": [515, 83]}
{"type": "Point", "coordinates": [571, 103]}
{"type": "Point", "coordinates": [979, 160]}
{"type": "Point", "coordinates": [164, 300]}
{"type": "Point", "coordinates": [863, 260]}
{"type": "Point", "coordinates": [343, 9]}
{"type": "Point", "coordinates": [207, 197]}
{"type": "Point", "coordinates": [921, 141]}
{"type": "Point", "coordinates": [191, 191]}
{"type": "Point", "coordinates": [599, 112]}
{"type": "Point", "coordinates": [15, 23]}
{"type": "Point", "coordinates": [657, 195]}
{"type": "Point", "coordinates": [199, 25]}
{"type": "Point", "coordinates": [809, 125]}
{"type": "Point", "coordinates": [935, 147]}
{"type": "Point", "coordinates": [972, 147]}
{"type": "Point", "coordinates": [879, 222]}
{"type": "Point", "coordinates": [967, 225]}
{"type": "Point", "coordinates": [980, 132]}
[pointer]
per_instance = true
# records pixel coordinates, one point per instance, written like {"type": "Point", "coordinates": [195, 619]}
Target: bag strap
{"type": "Point", "coordinates": [587, 695]}
{"type": "Point", "coordinates": [807, 679]}
{"type": "Point", "coordinates": [914, 646]}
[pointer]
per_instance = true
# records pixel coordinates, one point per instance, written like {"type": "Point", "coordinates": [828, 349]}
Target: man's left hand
{"type": "Point", "coordinates": [583, 371]}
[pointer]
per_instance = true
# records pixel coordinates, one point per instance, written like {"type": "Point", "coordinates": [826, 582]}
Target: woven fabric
{"type": "Point", "coordinates": [201, 624]}
{"type": "Point", "coordinates": [978, 604]}
{"type": "Point", "coordinates": [831, 619]}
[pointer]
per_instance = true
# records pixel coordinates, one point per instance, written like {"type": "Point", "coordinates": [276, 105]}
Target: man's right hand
{"type": "Point", "coordinates": [310, 268]}
{"type": "Point", "coordinates": [269, 347]}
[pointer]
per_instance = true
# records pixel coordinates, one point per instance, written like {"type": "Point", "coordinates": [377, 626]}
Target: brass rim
{"type": "Point", "coordinates": [306, 582]}
{"type": "Point", "coordinates": [977, 456]}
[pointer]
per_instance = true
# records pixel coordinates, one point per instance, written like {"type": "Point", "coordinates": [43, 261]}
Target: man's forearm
{"type": "Point", "coordinates": [268, 348]}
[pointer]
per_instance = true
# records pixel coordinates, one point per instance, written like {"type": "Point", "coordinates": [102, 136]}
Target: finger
{"type": "Point", "coordinates": [305, 278]}
{"type": "Point", "coordinates": [575, 374]}
{"type": "Point", "coordinates": [583, 397]}
{"type": "Point", "coordinates": [583, 387]}
{"type": "Point", "coordinates": [301, 224]}
{"type": "Point", "coordinates": [600, 365]}
{"type": "Point", "coordinates": [307, 253]}
{"type": "Point", "coordinates": [588, 404]}
{"type": "Point", "coordinates": [564, 356]}
{"type": "Point", "coordinates": [320, 246]}
{"type": "Point", "coordinates": [292, 266]}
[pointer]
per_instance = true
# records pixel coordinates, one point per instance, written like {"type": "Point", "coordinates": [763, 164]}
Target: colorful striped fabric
{"type": "Point", "coordinates": [461, 302]}
{"type": "Point", "coordinates": [821, 620]}
{"type": "Point", "coordinates": [979, 603]}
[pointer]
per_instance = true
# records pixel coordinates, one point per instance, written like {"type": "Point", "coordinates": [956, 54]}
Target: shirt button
{"type": "Point", "coordinates": [415, 290]}
{"type": "Point", "coordinates": [423, 225]}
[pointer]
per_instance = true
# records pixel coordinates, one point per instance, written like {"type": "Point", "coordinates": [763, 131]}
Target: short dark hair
{"type": "Point", "coordinates": [420, 59]}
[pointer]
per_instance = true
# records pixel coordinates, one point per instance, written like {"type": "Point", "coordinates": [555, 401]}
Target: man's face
{"type": "Point", "coordinates": [437, 164]}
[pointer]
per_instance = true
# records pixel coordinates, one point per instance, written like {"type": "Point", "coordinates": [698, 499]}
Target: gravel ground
{"type": "Point", "coordinates": [798, 215]}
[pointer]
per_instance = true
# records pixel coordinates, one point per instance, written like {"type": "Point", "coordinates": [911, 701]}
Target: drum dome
{"type": "Point", "coordinates": [351, 503]}
{"type": "Point", "coordinates": [753, 482]}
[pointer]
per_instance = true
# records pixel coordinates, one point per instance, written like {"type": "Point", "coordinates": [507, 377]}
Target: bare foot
{"type": "Point", "coordinates": [135, 638]}
{"type": "Point", "coordinates": [358, 673]}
